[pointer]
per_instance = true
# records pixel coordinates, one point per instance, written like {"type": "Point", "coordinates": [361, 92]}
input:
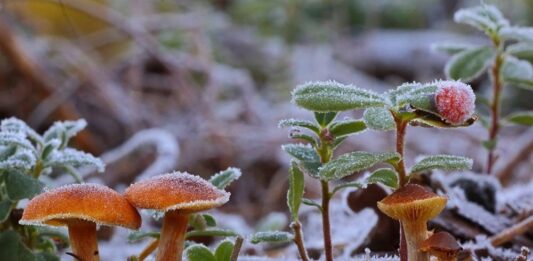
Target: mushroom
{"type": "Point", "coordinates": [81, 207]}
{"type": "Point", "coordinates": [177, 194]}
{"type": "Point", "coordinates": [442, 245]}
{"type": "Point", "coordinates": [413, 205]}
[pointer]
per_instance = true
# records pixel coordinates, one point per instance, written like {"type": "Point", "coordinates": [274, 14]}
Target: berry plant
{"type": "Point", "coordinates": [507, 61]}
{"type": "Point", "coordinates": [441, 104]}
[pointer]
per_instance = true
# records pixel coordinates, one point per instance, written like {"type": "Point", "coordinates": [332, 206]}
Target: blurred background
{"type": "Point", "coordinates": [200, 85]}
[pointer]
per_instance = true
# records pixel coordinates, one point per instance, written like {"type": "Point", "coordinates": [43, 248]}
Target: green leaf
{"type": "Point", "coordinates": [524, 34]}
{"type": "Point", "coordinates": [451, 47]}
{"type": "Point", "coordinates": [307, 157]}
{"type": "Point", "coordinates": [352, 184]}
{"type": "Point", "coordinates": [299, 124]}
{"type": "Point", "coordinates": [484, 17]}
{"type": "Point", "coordinates": [352, 162]}
{"type": "Point", "coordinates": [469, 64]}
{"type": "Point", "coordinates": [296, 190]}
{"type": "Point", "coordinates": [135, 236]}
{"type": "Point", "coordinates": [379, 119]}
{"type": "Point", "coordinates": [332, 96]}
{"type": "Point", "coordinates": [223, 178]}
{"type": "Point", "coordinates": [415, 95]}
{"type": "Point", "coordinates": [521, 50]}
{"type": "Point", "coordinates": [295, 134]}
{"type": "Point", "coordinates": [526, 84]}
{"type": "Point", "coordinates": [325, 118]}
{"type": "Point", "coordinates": [199, 252]}
{"type": "Point", "coordinates": [64, 130]}
{"type": "Point", "coordinates": [211, 232]}
{"type": "Point", "coordinates": [209, 220]}
{"type": "Point", "coordinates": [514, 68]}
{"type": "Point", "coordinates": [20, 186]}
{"type": "Point", "coordinates": [311, 203]}
{"type": "Point", "coordinates": [271, 237]}
{"type": "Point", "coordinates": [223, 251]}
{"type": "Point", "coordinates": [444, 162]}
{"type": "Point", "coordinates": [521, 118]}
{"type": "Point", "coordinates": [5, 209]}
{"type": "Point", "coordinates": [13, 249]}
{"type": "Point", "coordinates": [74, 158]}
{"type": "Point", "coordinates": [387, 177]}
{"type": "Point", "coordinates": [347, 127]}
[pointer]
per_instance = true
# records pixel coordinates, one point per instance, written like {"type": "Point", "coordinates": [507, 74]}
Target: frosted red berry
{"type": "Point", "coordinates": [455, 101]}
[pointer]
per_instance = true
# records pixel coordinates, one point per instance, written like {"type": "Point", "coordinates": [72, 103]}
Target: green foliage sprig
{"type": "Point", "coordinates": [507, 61]}
{"type": "Point", "coordinates": [24, 157]}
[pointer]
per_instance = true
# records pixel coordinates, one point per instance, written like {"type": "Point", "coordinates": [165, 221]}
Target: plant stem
{"type": "Point", "coordinates": [299, 239]}
{"type": "Point", "coordinates": [236, 248]}
{"type": "Point", "coordinates": [415, 232]}
{"type": "Point", "coordinates": [401, 127]}
{"type": "Point", "coordinates": [148, 249]}
{"type": "Point", "coordinates": [511, 232]}
{"type": "Point", "coordinates": [495, 103]}
{"type": "Point", "coordinates": [325, 221]}
{"type": "Point", "coordinates": [325, 153]}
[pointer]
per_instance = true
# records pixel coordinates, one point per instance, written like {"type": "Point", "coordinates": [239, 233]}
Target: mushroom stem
{"type": "Point", "coordinates": [82, 235]}
{"type": "Point", "coordinates": [172, 236]}
{"type": "Point", "coordinates": [415, 233]}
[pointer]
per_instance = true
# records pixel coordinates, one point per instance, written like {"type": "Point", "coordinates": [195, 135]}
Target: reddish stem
{"type": "Point", "coordinates": [172, 236]}
{"type": "Point", "coordinates": [495, 106]}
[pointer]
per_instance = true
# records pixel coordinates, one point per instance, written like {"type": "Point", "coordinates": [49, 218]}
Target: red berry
{"type": "Point", "coordinates": [455, 101]}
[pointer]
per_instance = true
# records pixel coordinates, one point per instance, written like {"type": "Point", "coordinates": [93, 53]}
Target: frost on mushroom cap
{"type": "Point", "coordinates": [455, 101]}
{"type": "Point", "coordinates": [412, 202]}
{"type": "Point", "coordinates": [176, 191]}
{"type": "Point", "coordinates": [91, 202]}
{"type": "Point", "coordinates": [441, 244]}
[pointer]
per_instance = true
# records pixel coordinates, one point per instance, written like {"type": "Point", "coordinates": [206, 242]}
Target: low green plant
{"type": "Point", "coordinates": [444, 104]}
{"type": "Point", "coordinates": [507, 61]}
{"type": "Point", "coordinates": [27, 160]}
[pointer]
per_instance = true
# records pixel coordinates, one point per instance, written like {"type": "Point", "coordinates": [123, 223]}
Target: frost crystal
{"type": "Point", "coordinates": [75, 158]}
{"type": "Point", "coordinates": [70, 128]}
{"type": "Point", "coordinates": [455, 101]}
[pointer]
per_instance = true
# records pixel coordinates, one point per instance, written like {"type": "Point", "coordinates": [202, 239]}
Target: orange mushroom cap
{"type": "Point", "coordinates": [441, 244]}
{"type": "Point", "coordinates": [90, 202]}
{"type": "Point", "coordinates": [176, 191]}
{"type": "Point", "coordinates": [412, 202]}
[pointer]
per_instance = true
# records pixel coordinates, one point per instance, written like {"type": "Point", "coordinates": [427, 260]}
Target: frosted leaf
{"type": "Point", "coordinates": [521, 50]}
{"type": "Point", "coordinates": [379, 119]}
{"type": "Point", "coordinates": [444, 162]}
{"type": "Point", "coordinates": [451, 47]}
{"type": "Point", "coordinates": [385, 176]}
{"type": "Point", "coordinates": [514, 68]}
{"type": "Point", "coordinates": [416, 95]}
{"type": "Point", "coordinates": [7, 139]}
{"type": "Point", "coordinates": [469, 64]}
{"type": "Point", "coordinates": [485, 17]}
{"type": "Point", "coordinates": [22, 159]}
{"type": "Point", "coordinates": [332, 96]}
{"type": "Point", "coordinates": [346, 128]}
{"type": "Point", "coordinates": [350, 163]}
{"type": "Point", "coordinates": [74, 158]}
{"type": "Point", "coordinates": [296, 190]}
{"type": "Point", "coordinates": [517, 33]}
{"type": "Point", "coordinates": [307, 157]}
{"type": "Point", "coordinates": [271, 237]}
{"type": "Point", "coordinates": [402, 90]}
{"type": "Point", "coordinates": [67, 128]}
{"type": "Point", "coordinates": [223, 178]}
{"type": "Point", "coordinates": [299, 123]}
{"type": "Point", "coordinates": [15, 125]}
{"type": "Point", "coordinates": [199, 252]}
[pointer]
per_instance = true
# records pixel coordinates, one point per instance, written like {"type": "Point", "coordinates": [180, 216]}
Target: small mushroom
{"type": "Point", "coordinates": [178, 195]}
{"type": "Point", "coordinates": [413, 205]}
{"type": "Point", "coordinates": [81, 207]}
{"type": "Point", "coordinates": [441, 245]}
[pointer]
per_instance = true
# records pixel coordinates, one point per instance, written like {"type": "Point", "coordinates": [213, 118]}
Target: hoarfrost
{"type": "Point", "coordinates": [70, 128]}
{"type": "Point", "coordinates": [74, 158]}
{"type": "Point", "coordinates": [444, 162]}
{"type": "Point", "coordinates": [379, 119]}
{"type": "Point", "coordinates": [517, 33]}
{"type": "Point", "coordinates": [22, 159]}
